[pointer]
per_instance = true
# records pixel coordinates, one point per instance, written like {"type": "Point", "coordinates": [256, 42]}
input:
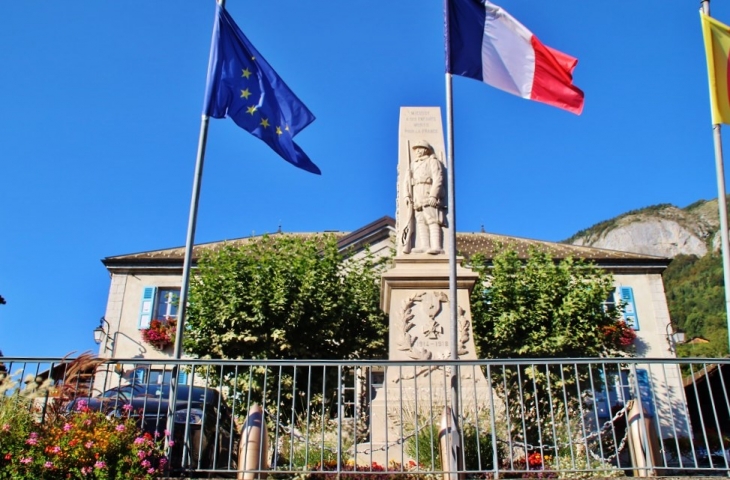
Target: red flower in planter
{"type": "Point", "coordinates": [160, 334]}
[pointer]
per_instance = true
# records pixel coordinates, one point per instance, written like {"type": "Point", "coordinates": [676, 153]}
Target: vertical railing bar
{"type": "Point", "coordinates": [714, 413]}
{"type": "Point", "coordinates": [323, 416]}
{"type": "Point", "coordinates": [309, 416]}
{"type": "Point", "coordinates": [188, 407]}
{"type": "Point", "coordinates": [592, 382]}
{"type": "Point", "coordinates": [675, 432]}
{"type": "Point", "coordinates": [430, 423]}
{"type": "Point", "coordinates": [447, 400]}
{"type": "Point", "coordinates": [400, 401]}
{"type": "Point", "coordinates": [263, 430]}
{"type": "Point", "coordinates": [205, 404]}
{"type": "Point", "coordinates": [370, 414]}
{"type": "Point", "coordinates": [584, 430]}
{"type": "Point", "coordinates": [708, 447]}
{"type": "Point", "coordinates": [477, 420]}
{"type": "Point", "coordinates": [657, 412]}
{"type": "Point", "coordinates": [233, 411]}
{"type": "Point", "coordinates": [493, 423]}
{"type": "Point", "coordinates": [340, 413]}
{"type": "Point", "coordinates": [246, 429]}
{"type": "Point", "coordinates": [460, 422]}
{"type": "Point", "coordinates": [292, 425]}
{"type": "Point", "coordinates": [567, 416]}
{"type": "Point", "coordinates": [509, 417]}
{"type": "Point", "coordinates": [537, 412]}
{"type": "Point", "coordinates": [642, 421]}
{"type": "Point", "coordinates": [606, 387]}
{"type": "Point", "coordinates": [701, 415]}
{"type": "Point", "coordinates": [727, 407]}
{"type": "Point", "coordinates": [387, 427]}
{"type": "Point", "coordinates": [278, 415]}
{"type": "Point", "coordinates": [523, 414]}
{"type": "Point", "coordinates": [415, 418]}
{"type": "Point", "coordinates": [552, 414]}
{"type": "Point", "coordinates": [699, 404]}
{"type": "Point", "coordinates": [356, 388]}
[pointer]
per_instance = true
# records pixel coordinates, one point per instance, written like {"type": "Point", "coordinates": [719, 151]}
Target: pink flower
{"type": "Point", "coordinates": [172, 443]}
{"type": "Point", "coordinates": [48, 464]}
{"type": "Point", "coordinates": [26, 460]}
{"type": "Point", "coordinates": [163, 461]}
{"type": "Point", "coordinates": [100, 464]}
{"type": "Point", "coordinates": [81, 404]}
{"type": "Point", "coordinates": [6, 427]}
{"type": "Point", "coordinates": [120, 428]}
{"type": "Point", "coordinates": [141, 454]}
{"type": "Point", "coordinates": [32, 441]}
{"type": "Point", "coordinates": [85, 470]}
{"type": "Point", "coordinates": [87, 422]}
{"type": "Point", "coordinates": [167, 432]}
{"type": "Point", "coordinates": [55, 449]}
{"type": "Point", "coordinates": [33, 435]}
{"type": "Point", "coordinates": [127, 407]}
{"type": "Point", "coordinates": [151, 471]}
{"type": "Point", "coordinates": [139, 441]}
{"type": "Point", "coordinates": [67, 427]}
{"type": "Point", "coordinates": [145, 463]}
{"type": "Point", "coordinates": [89, 444]}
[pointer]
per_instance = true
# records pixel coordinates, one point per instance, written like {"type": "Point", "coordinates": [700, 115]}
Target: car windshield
{"type": "Point", "coordinates": [160, 391]}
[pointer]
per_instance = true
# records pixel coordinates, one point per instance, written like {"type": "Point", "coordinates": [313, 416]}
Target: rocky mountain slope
{"type": "Point", "coordinates": [663, 230]}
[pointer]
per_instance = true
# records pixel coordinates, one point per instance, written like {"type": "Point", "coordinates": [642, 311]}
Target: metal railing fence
{"type": "Point", "coordinates": [312, 419]}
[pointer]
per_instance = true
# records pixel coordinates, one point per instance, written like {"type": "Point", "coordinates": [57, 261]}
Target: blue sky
{"type": "Point", "coordinates": [101, 105]}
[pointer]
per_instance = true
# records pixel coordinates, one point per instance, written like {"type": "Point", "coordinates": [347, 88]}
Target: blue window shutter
{"type": "Point", "coordinates": [627, 299]}
{"type": "Point", "coordinates": [148, 307]}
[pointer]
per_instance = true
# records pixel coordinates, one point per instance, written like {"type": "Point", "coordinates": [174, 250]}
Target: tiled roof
{"type": "Point", "coordinates": [467, 244]}
{"type": "Point", "coordinates": [488, 243]}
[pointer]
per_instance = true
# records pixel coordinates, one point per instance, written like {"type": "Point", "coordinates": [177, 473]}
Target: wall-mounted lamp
{"type": "Point", "coordinates": [101, 333]}
{"type": "Point", "coordinates": [674, 337]}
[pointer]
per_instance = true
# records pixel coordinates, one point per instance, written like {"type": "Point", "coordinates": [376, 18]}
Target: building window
{"type": "Point", "coordinates": [158, 303]}
{"type": "Point", "coordinates": [167, 301]}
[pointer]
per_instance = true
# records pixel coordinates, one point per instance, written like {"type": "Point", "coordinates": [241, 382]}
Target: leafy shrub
{"type": "Point", "coordinates": [83, 444]}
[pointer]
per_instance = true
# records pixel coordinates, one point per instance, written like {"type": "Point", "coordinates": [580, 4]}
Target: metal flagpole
{"type": "Point", "coordinates": [451, 218]}
{"type": "Point", "coordinates": [722, 204]}
{"type": "Point", "coordinates": [187, 262]}
{"type": "Point", "coordinates": [193, 218]}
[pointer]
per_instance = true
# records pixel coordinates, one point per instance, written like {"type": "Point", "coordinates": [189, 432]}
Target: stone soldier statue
{"type": "Point", "coordinates": [424, 195]}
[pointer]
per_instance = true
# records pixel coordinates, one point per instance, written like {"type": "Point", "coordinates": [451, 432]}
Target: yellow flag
{"type": "Point", "coordinates": [717, 48]}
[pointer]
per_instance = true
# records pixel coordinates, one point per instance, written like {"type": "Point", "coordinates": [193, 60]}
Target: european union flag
{"type": "Point", "coordinates": [242, 85]}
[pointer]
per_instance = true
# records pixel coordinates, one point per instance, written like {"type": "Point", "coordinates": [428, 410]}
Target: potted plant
{"type": "Point", "coordinates": [161, 333]}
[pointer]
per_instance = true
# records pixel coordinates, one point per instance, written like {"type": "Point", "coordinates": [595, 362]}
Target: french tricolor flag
{"type": "Point", "coordinates": [486, 43]}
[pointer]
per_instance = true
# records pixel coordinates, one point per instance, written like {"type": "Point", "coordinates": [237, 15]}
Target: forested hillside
{"type": "Point", "coordinates": [696, 299]}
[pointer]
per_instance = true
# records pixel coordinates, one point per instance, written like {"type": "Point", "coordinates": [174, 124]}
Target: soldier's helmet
{"type": "Point", "coordinates": [422, 144]}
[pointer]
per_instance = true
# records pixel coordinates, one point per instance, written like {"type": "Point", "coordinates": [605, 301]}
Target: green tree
{"type": "Point", "coordinates": [540, 308]}
{"type": "Point", "coordinates": [285, 297]}
{"type": "Point", "coordinates": [696, 301]}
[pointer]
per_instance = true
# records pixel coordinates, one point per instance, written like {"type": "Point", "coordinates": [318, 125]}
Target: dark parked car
{"type": "Point", "coordinates": [203, 421]}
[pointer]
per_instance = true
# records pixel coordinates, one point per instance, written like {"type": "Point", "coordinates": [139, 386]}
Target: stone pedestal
{"type": "Point", "coordinates": [416, 295]}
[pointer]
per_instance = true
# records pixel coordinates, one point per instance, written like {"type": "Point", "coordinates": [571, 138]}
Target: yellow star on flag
{"type": "Point", "coordinates": [278, 130]}
{"type": "Point", "coordinates": [246, 73]}
{"type": "Point", "coordinates": [251, 109]}
{"type": "Point", "coordinates": [245, 93]}
{"type": "Point", "coordinates": [264, 122]}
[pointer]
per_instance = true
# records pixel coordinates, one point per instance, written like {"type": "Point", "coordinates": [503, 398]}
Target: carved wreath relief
{"type": "Point", "coordinates": [414, 343]}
